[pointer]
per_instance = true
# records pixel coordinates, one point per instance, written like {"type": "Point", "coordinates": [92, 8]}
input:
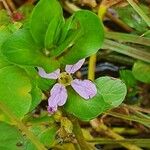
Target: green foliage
{"type": "Point", "coordinates": [42, 42]}
{"type": "Point", "coordinates": [20, 48]}
{"type": "Point", "coordinates": [4, 18]}
{"type": "Point", "coordinates": [45, 135]}
{"type": "Point", "coordinates": [111, 93]}
{"type": "Point", "coordinates": [89, 39]}
{"type": "Point", "coordinates": [141, 71]}
{"type": "Point", "coordinates": [10, 137]}
{"type": "Point", "coordinates": [14, 90]}
{"type": "Point", "coordinates": [40, 21]}
{"type": "Point", "coordinates": [128, 78]}
{"type": "Point", "coordinates": [130, 17]}
{"type": "Point", "coordinates": [4, 34]}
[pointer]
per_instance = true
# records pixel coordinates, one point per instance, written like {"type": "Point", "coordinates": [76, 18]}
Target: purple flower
{"type": "Point", "coordinates": [58, 94]}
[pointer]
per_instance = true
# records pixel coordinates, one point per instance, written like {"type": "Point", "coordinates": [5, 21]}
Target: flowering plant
{"type": "Point", "coordinates": [30, 57]}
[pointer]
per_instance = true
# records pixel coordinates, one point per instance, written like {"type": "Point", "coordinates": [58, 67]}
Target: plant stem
{"type": "Point", "coordinates": [112, 141]}
{"type": "Point", "coordinates": [119, 22]}
{"type": "Point", "coordinates": [91, 67]}
{"type": "Point", "coordinates": [78, 134]}
{"type": "Point", "coordinates": [100, 127]}
{"type": "Point", "coordinates": [11, 5]}
{"type": "Point", "coordinates": [140, 12]}
{"type": "Point", "coordinates": [22, 127]}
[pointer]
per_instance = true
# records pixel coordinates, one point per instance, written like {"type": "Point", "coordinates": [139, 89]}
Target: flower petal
{"type": "Point", "coordinates": [53, 75]}
{"type": "Point", "coordinates": [58, 96]}
{"type": "Point", "coordinates": [85, 88]}
{"type": "Point", "coordinates": [73, 68]}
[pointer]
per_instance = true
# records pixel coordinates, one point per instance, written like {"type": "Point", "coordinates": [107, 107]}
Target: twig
{"type": "Point", "coordinates": [6, 7]}
{"type": "Point", "coordinates": [78, 134]}
{"type": "Point", "coordinates": [11, 5]}
{"type": "Point", "coordinates": [119, 22]}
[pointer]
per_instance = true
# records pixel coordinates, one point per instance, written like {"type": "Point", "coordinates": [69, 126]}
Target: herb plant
{"type": "Point", "coordinates": [31, 57]}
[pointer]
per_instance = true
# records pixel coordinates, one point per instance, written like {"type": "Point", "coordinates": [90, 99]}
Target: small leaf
{"type": "Point", "coordinates": [71, 31]}
{"type": "Point", "coordinates": [41, 16]}
{"type": "Point", "coordinates": [53, 32]}
{"type": "Point", "coordinates": [112, 90]}
{"type": "Point", "coordinates": [10, 137]}
{"type": "Point", "coordinates": [141, 71]}
{"type": "Point", "coordinates": [110, 93]}
{"type": "Point", "coordinates": [36, 94]}
{"type": "Point", "coordinates": [128, 78]}
{"type": "Point", "coordinates": [14, 90]}
{"type": "Point", "coordinates": [20, 48]}
{"type": "Point", "coordinates": [90, 38]}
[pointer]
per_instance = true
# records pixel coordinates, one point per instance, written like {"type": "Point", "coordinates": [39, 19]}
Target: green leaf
{"type": "Point", "coordinates": [130, 17]}
{"type": "Point", "coordinates": [36, 94]}
{"type": "Point", "coordinates": [43, 84]}
{"type": "Point", "coordinates": [10, 137]}
{"type": "Point", "coordinates": [71, 31]}
{"type": "Point", "coordinates": [53, 32]}
{"type": "Point", "coordinates": [128, 78]}
{"type": "Point", "coordinates": [85, 109]}
{"type": "Point", "coordinates": [4, 17]}
{"type": "Point", "coordinates": [141, 71]}
{"type": "Point", "coordinates": [91, 36]}
{"type": "Point", "coordinates": [14, 90]}
{"type": "Point", "coordinates": [21, 49]}
{"type": "Point", "coordinates": [4, 34]}
{"type": "Point", "coordinates": [112, 90]}
{"type": "Point", "coordinates": [42, 15]}
{"type": "Point", "coordinates": [111, 93]}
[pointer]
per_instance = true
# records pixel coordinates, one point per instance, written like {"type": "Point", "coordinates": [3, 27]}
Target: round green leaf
{"type": "Point", "coordinates": [141, 71]}
{"type": "Point", "coordinates": [41, 16]}
{"type": "Point", "coordinates": [89, 41]}
{"type": "Point", "coordinates": [111, 93]}
{"type": "Point", "coordinates": [112, 90]}
{"type": "Point", "coordinates": [21, 49]}
{"type": "Point", "coordinates": [14, 90]}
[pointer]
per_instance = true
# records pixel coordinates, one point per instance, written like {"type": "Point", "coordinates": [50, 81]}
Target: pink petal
{"type": "Point", "coordinates": [53, 75]}
{"type": "Point", "coordinates": [73, 68]}
{"type": "Point", "coordinates": [58, 96]}
{"type": "Point", "coordinates": [85, 88]}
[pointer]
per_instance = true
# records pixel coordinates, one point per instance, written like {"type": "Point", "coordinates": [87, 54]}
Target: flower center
{"type": "Point", "coordinates": [65, 78]}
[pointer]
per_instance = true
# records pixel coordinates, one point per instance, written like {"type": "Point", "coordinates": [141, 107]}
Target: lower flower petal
{"type": "Point", "coordinates": [85, 88]}
{"type": "Point", "coordinates": [58, 96]}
